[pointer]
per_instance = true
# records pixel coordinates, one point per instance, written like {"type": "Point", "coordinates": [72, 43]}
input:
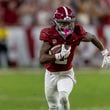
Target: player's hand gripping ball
{"type": "Point", "coordinates": [60, 51]}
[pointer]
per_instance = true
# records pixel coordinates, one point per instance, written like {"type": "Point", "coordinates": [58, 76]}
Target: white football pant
{"type": "Point", "coordinates": [58, 86]}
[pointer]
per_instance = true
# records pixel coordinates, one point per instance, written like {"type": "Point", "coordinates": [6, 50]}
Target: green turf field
{"type": "Point", "coordinates": [23, 89]}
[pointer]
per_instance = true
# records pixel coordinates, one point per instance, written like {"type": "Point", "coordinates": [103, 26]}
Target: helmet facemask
{"type": "Point", "coordinates": [65, 28]}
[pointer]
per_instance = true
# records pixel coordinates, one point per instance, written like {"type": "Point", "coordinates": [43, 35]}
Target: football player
{"type": "Point", "coordinates": [59, 75]}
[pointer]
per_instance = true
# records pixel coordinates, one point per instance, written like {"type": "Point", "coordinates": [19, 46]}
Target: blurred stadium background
{"type": "Point", "coordinates": [21, 75]}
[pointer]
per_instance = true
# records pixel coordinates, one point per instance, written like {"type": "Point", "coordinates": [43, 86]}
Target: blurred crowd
{"type": "Point", "coordinates": [38, 12]}
{"type": "Point", "coordinates": [29, 13]}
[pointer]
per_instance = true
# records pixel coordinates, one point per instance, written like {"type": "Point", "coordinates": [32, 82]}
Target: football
{"type": "Point", "coordinates": [57, 49]}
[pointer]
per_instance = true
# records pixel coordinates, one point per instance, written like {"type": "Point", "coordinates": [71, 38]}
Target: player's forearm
{"type": "Point", "coordinates": [92, 38]}
{"type": "Point", "coordinates": [47, 59]}
{"type": "Point", "coordinates": [98, 44]}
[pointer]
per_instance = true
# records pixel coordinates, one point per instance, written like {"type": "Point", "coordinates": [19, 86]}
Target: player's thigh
{"type": "Point", "coordinates": [50, 79]}
{"type": "Point", "coordinates": [51, 92]}
{"type": "Point", "coordinates": [65, 84]}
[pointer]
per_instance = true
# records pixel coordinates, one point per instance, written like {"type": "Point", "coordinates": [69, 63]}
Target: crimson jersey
{"type": "Point", "coordinates": [53, 37]}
